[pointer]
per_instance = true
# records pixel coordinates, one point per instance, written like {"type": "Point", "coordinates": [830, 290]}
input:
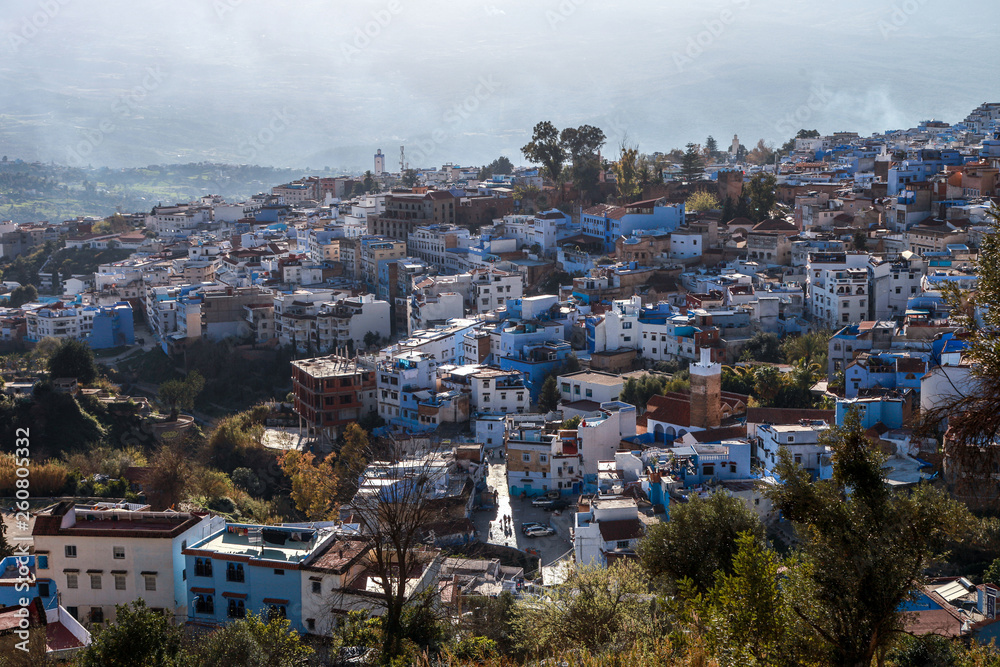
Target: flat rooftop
{"type": "Point", "coordinates": [236, 542]}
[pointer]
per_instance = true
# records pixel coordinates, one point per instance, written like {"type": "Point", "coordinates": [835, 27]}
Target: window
{"type": "Point", "coordinates": [42, 561]}
{"type": "Point", "coordinates": [486, 397]}
{"type": "Point", "coordinates": [150, 581]}
{"type": "Point", "coordinates": [543, 458]}
{"type": "Point", "coordinates": [119, 581]}
{"type": "Point", "coordinates": [234, 572]}
{"type": "Point", "coordinates": [626, 325]}
{"type": "Point", "coordinates": [798, 458]}
{"type": "Point", "coordinates": [791, 438]}
{"type": "Point", "coordinates": [526, 457]}
{"type": "Point", "coordinates": [569, 470]}
{"type": "Point", "coordinates": [97, 614]}
{"type": "Point", "coordinates": [590, 393]}
{"type": "Point", "coordinates": [118, 552]}
{"type": "Point", "coordinates": [276, 611]}
{"type": "Point", "coordinates": [627, 338]}
{"type": "Point", "coordinates": [43, 589]}
{"type": "Point", "coordinates": [203, 567]}
{"type": "Point", "coordinates": [621, 544]}
{"type": "Point", "coordinates": [95, 581]}
{"type": "Point", "coordinates": [70, 551]}
{"type": "Point", "coordinates": [204, 604]}
{"type": "Point", "coordinates": [708, 469]}
{"type": "Point", "coordinates": [317, 587]}
{"type": "Point", "coordinates": [72, 580]}
{"type": "Point", "coordinates": [236, 609]}
{"type": "Point", "coordinates": [565, 387]}
{"type": "Point", "coordinates": [576, 389]}
{"type": "Point", "coordinates": [279, 573]}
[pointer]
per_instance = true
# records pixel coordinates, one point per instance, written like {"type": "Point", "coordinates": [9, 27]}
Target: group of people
{"type": "Point", "coordinates": [507, 525]}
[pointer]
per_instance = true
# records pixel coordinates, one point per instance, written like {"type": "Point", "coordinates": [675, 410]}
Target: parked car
{"type": "Point", "coordinates": [528, 525]}
{"type": "Point", "coordinates": [549, 505]}
{"type": "Point", "coordinates": [540, 531]}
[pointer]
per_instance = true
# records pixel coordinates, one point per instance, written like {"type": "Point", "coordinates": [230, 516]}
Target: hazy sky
{"type": "Point", "coordinates": [314, 83]}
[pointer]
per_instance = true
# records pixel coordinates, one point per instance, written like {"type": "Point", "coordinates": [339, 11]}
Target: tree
{"type": "Point", "coordinates": [139, 636]}
{"type": "Point", "coordinates": [860, 241]}
{"type": "Point", "coordinates": [691, 166]}
{"type": "Point", "coordinates": [763, 346]}
{"type": "Point", "coordinates": [371, 339]}
{"type": "Point", "coordinates": [166, 480]}
{"type": "Point", "coordinates": [809, 348]}
{"type": "Point", "coordinates": [247, 479]}
{"type": "Point", "coordinates": [767, 383]}
{"type": "Point", "coordinates": [699, 539]}
{"type": "Point", "coordinates": [500, 166]}
{"type": "Point", "coordinates": [626, 171]}
{"type": "Point", "coordinates": [180, 394]}
{"type": "Point", "coordinates": [711, 147]}
{"type": "Point", "coordinates": [748, 617]}
{"type": "Point", "coordinates": [352, 457]}
{"type": "Point", "coordinates": [314, 483]}
{"type": "Point", "coordinates": [728, 210]}
{"type": "Point", "coordinates": [582, 144]}
{"type": "Point", "coordinates": [548, 399]}
{"type": "Point", "coordinates": [598, 608]}
{"type": "Point", "coordinates": [763, 153]}
{"type": "Point", "coordinates": [761, 196]}
{"type": "Point", "coordinates": [547, 149]}
{"type": "Point", "coordinates": [368, 182]}
{"type": "Point", "coordinates": [864, 547]}
{"type": "Point", "coordinates": [73, 359]}
{"type": "Point", "coordinates": [572, 422]}
{"type": "Point", "coordinates": [410, 178]}
{"type": "Point", "coordinates": [22, 295]}
{"type": "Point", "coordinates": [701, 201]}
{"type": "Point", "coordinates": [255, 640]}
{"type": "Point", "coordinates": [395, 517]}
{"type": "Point", "coordinates": [973, 412]}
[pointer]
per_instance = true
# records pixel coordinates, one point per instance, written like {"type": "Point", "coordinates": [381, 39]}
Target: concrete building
{"type": "Point", "coordinates": [606, 529]}
{"type": "Point", "coordinates": [539, 462]}
{"type": "Point", "coordinates": [332, 392]}
{"type": "Point", "coordinates": [104, 557]}
{"type": "Point", "coordinates": [584, 391]}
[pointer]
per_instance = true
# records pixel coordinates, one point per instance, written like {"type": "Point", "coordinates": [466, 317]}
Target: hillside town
{"type": "Point", "coordinates": [543, 370]}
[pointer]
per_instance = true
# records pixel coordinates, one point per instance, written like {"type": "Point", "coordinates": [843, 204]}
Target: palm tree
{"type": "Point", "coordinates": [805, 375]}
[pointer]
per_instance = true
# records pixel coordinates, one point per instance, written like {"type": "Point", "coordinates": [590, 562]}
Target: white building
{"type": "Point", "coordinates": [893, 282]}
{"type": "Point", "coordinates": [492, 287]}
{"type": "Point", "coordinates": [599, 437]}
{"type": "Point", "coordinates": [802, 441]}
{"type": "Point", "coordinates": [584, 391]}
{"type": "Point", "coordinates": [499, 392]}
{"type": "Point", "coordinates": [606, 526]}
{"type": "Point", "coordinates": [103, 557]}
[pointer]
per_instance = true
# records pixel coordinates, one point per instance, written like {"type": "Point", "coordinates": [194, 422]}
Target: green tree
{"type": "Point", "coordinates": [748, 619]}
{"type": "Point", "coordinates": [410, 178]}
{"type": "Point", "coordinates": [711, 147]}
{"type": "Point", "coordinates": [691, 164]}
{"type": "Point", "coordinates": [810, 348]}
{"type": "Point", "coordinates": [572, 422]}
{"type": "Point", "coordinates": [864, 547]}
{"type": "Point", "coordinates": [728, 210]}
{"type": "Point", "coordinates": [701, 201]}
{"type": "Point", "coordinates": [582, 144]}
{"type": "Point", "coordinates": [181, 394]}
{"type": "Point", "coordinates": [22, 295]}
{"type": "Point", "coordinates": [763, 153]}
{"type": "Point", "coordinates": [596, 608]}
{"type": "Point", "coordinates": [73, 359]}
{"type": "Point", "coordinates": [767, 383]}
{"type": "Point", "coordinates": [699, 539]}
{"type": "Point", "coordinates": [763, 346]}
{"type": "Point", "coordinates": [139, 636]}
{"type": "Point", "coordinates": [548, 399]}
{"type": "Point", "coordinates": [760, 192]}
{"type": "Point", "coordinates": [255, 641]}
{"type": "Point", "coordinates": [371, 339]}
{"type": "Point", "coordinates": [546, 149]}
{"type": "Point", "coordinates": [860, 241]}
{"type": "Point", "coordinates": [626, 171]}
{"type": "Point", "coordinates": [369, 182]}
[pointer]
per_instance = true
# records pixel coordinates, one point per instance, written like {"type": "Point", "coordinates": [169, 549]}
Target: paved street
{"type": "Point", "coordinates": [490, 524]}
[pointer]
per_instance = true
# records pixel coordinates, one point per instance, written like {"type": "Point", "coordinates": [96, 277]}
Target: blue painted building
{"type": "Point", "coordinates": [250, 568]}
{"type": "Point", "coordinates": [20, 579]}
{"type": "Point", "coordinates": [113, 326]}
{"type": "Point", "coordinates": [607, 223]}
{"type": "Point", "coordinates": [536, 361]}
{"type": "Point", "coordinates": [892, 411]}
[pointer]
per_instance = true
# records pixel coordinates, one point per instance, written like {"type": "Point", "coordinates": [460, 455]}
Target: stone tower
{"type": "Point", "coordinates": [706, 391]}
